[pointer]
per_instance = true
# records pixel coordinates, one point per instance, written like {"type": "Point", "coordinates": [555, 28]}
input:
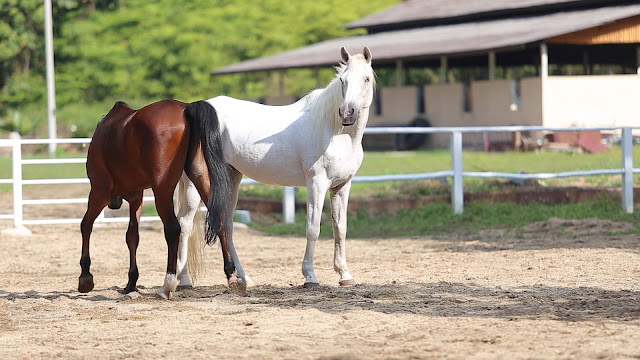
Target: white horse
{"type": "Point", "coordinates": [315, 142]}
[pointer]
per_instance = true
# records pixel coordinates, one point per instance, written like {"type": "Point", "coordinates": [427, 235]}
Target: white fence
{"type": "Point", "coordinates": [456, 173]}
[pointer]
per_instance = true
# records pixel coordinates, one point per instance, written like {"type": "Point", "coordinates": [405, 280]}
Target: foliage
{"type": "Point", "coordinates": [107, 50]}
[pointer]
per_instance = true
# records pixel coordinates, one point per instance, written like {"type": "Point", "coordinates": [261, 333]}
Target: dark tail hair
{"type": "Point", "coordinates": [204, 119]}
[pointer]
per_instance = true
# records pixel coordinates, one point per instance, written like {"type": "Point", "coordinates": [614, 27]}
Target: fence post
{"type": "Point", "coordinates": [627, 170]}
{"type": "Point", "coordinates": [457, 192]}
{"type": "Point", "coordinates": [289, 205]}
{"type": "Point", "coordinates": [16, 174]}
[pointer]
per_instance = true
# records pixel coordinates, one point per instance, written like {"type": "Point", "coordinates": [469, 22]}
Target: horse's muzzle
{"type": "Point", "coordinates": [348, 122]}
{"type": "Point", "coordinates": [348, 117]}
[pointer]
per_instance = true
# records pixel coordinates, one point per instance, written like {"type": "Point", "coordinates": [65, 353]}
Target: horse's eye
{"type": "Point", "coordinates": [367, 79]}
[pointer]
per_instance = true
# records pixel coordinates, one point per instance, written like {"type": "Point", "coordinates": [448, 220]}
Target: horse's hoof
{"type": "Point", "coordinates": [310, 285]}
{"type": "Point", "coordinates": [238, 286]}
{"type": "Point", "coordinates": [349, 282]}
{"type": "Point", "coordinates": [85, 283]}
{"type": "Point", "coordinates": [162, 294]}
{"type": "Point", "coordinates": [184, 287]}
{"type": "Point", "coordinates": [129, 289]}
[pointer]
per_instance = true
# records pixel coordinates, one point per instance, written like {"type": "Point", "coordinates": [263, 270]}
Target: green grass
{"type": "Point", "coordinates": [437, 219]}
{"type": "Point", "coordinates": [381, 163]}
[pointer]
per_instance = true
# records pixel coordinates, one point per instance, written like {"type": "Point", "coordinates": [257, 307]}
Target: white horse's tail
{"type": "Point", "coordinates": [195, 252]}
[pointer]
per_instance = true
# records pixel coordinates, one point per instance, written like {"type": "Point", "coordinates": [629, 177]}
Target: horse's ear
{"type": "Point", "coordinates": [367, 54]}
{"type": "Point", "coordinates": [345, 54]}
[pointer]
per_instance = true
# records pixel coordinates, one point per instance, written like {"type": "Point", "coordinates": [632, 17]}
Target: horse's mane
{"type": "Point", "coordinates": [322, 104]}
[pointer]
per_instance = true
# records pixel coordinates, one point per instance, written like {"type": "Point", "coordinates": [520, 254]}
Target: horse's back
{"type": "Point", "coordinates": [135, 149]}
{"type": "Point", "coordinates": [261, 141]}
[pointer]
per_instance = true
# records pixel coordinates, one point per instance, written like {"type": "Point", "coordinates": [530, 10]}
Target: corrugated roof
{"type": "Point", "coordinates": [430, 42]}
{"type": "Point", "coordinates": [422, 10]}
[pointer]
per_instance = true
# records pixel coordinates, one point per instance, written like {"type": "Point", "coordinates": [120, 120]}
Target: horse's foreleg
{"type": "Point", "coordinates": [164, 205]}
{"type": "Point", "coordinates": [95, 205]}
{"type": "Point", "coordinates": [133, 239]}
{"type": "Point", "coordinates": [315, 202]}
{"type": "Point", "coordinates": [339, 201]}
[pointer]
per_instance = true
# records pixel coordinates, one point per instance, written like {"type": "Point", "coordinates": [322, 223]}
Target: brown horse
{"type": "Point", "coordinates": [133, 150]}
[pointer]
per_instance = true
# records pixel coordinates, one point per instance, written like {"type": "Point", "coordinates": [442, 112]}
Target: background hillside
{"type": "Point", "coordinates": [140, 51]}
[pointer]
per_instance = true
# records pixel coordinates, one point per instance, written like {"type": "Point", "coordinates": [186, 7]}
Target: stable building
{"type": "Point", "coordinates": [599, 40]}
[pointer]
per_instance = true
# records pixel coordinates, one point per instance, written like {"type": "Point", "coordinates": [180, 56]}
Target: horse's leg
{"type": "Point", "coordinates": [315, 202]}
{"type": "Point", "coordinates": [197, 172]}
{"type": "Point", "coordinates": [339, 200]}
{"type": "Point", "coordinates": [164, 205]}
{"type": "Point", "coordinates": [96, 203]}
{"type": "Point", "coordinates": [236, 177]}
{"type": "Point", "coordinates": [189, 203]}
{"type": "Point", "coordinates": [133, 238]}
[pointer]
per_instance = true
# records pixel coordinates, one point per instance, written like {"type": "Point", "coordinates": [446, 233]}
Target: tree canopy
{"type": "Point", "coordinates": [141, 49]}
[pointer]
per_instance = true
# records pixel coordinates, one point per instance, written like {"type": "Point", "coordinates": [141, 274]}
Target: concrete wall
{"type": "Point", "coordinates": [612, 100]}
{"type": "Point", "coordinates": [491, 103]}
{"type": "Point", "coordinates": [568, 101]}
{"type": "Point", "coordinates": [398, 107]}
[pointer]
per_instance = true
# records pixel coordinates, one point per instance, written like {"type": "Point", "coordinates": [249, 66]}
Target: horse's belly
{"type": "Point", "coordinates": [271, 171]}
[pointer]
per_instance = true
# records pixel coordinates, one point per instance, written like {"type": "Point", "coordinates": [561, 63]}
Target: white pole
{"type": "Point", "coordinates": [627, 168]}
{"type": "Point", "coordinates": [16, 170]}
{"type": "Point", "coordinates": [457, 192]}
{"type": "Point", "coordinates": [289, 205]}
{"type": "Point", "coordinates": [51, 87]}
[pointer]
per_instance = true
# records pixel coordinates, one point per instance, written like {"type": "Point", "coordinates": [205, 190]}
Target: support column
{"type": "Point", "coordinates": [544, 75]}
{"type": "Point", "coordinates": [281, 83]}
{"type": "Point", "coordinates": [492, 65]}
{"type": "Point", "coordinates": [443, 69]}
{"type": "Point", "coordinates": [586, 62]}
{"type": "Point", "coordinates": [544, 61]}
{"type": "Point", "coordinates": [399, 73]}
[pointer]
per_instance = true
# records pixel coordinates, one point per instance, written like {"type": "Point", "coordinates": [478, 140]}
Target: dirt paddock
{"type": "Point", "coordinates": [556, 290]}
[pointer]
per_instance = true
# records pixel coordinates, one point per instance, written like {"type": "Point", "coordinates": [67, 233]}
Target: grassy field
{"type": "Point", "coordinates": [433, 218]}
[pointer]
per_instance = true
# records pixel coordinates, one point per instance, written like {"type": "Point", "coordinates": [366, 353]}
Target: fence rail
{"type": "Point", "coordinates": [456, 173]}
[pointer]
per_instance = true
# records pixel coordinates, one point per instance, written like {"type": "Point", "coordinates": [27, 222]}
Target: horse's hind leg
{"type": "Point", "coordinates": [189, 204]}
{"type": "Point", "coordinates": [236, 177]}
{"type": "Point", "coordinates": [164, 205]}
{"type": "Point", "coordinates": [96, 203]}
{"type": "Point", "coordinates": [339, 199]}
{"type": "Point", "coordinates": [133, 239]}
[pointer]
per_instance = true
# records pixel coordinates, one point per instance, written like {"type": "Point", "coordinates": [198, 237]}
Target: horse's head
{"type": "Point", "coordinates": [357, 85]}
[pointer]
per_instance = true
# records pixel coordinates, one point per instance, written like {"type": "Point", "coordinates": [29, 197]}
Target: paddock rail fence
{"type": "Point", "coordinates": [456, 173]}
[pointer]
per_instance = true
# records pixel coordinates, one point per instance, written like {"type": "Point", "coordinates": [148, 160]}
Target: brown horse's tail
{"type": "Point", "coordinates": [204, 119]}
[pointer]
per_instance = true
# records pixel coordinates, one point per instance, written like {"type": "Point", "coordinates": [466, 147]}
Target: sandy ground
{"type": "Point", "coordinates": [555, 290]}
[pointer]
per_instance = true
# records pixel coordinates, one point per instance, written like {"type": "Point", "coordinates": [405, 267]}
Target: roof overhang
{"type": "Point", "coordinates": [432, 42]}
